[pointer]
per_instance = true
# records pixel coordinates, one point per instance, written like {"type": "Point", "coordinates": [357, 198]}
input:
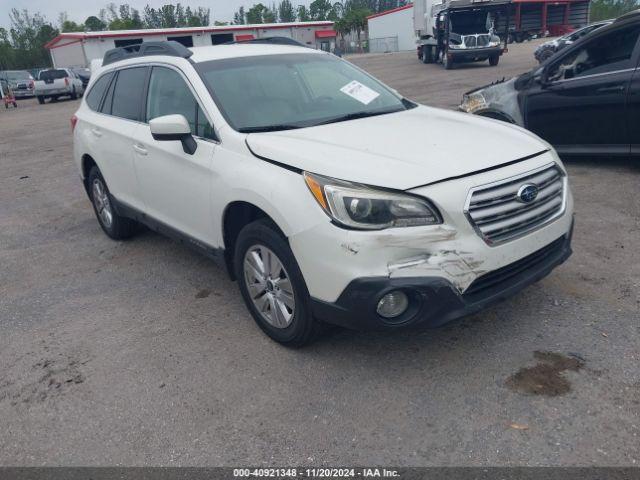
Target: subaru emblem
{"type": "Point", "coordinates": [527, 193]}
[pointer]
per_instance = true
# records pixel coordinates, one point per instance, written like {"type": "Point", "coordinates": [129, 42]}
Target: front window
{"type": "Point", "coordinates": [603, 54]}
{"type": "Point", "coordinates": [279, 92]}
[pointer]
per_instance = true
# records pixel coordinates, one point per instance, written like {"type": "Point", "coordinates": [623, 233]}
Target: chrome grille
{"type": "Point", "coordinates": [476, 41]}
{"type": "Point", "coordinates": [498, 215]}
{"type": "Point", "coordinates": [483, 40]}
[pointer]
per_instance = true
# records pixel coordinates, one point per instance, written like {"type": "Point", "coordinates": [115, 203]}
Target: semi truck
{"type": "Point", "coordinates": [455, 31]}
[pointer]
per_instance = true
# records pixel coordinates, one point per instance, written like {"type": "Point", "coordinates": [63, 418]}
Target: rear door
{"type": "Point", "coordinates": [176, 186]}
{"type": "Point", "coordinates": [581, 108]}
{"type": "Point", "coordinates": [633, 109]}
{"type": "Point", "coordinates": [115, 130]}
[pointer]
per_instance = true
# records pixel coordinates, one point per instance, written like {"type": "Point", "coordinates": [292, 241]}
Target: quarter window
{"type": "Point", "coordinates": [97, 91]}
{"type": "Point", "coordinates": [169, 95]}
{"type": "Point", "coordinates": [127, 98]}
{"type": "Point", "coordinates": [602, 54]}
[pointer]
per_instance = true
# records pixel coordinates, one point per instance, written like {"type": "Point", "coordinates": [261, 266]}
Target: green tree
{"type": "Point", "coordinates": [303, 14]}
{"type": "Point", "coordinates": [356, 19]}
{"type": "Point", "coordinates": [286, 12]}
{"type": "Point", "coordinates": [320, 10]}
{"type": "Point", "coordinates": [94, 24]}
{"type": "Point", "coordinates": [270, 15]}
{"type": "Point", "coordinates": [28, 35]}
{"type": "Point", "coordinates": [603, 9]}
{"type": "Point", "coordinates": [239, 18]}
{"type": "Point", "coordinates": [254, 14]}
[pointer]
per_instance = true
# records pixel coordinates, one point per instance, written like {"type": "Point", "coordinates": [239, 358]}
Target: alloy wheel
{"type": "Point", "coordinates": [102, 203]}
{"type": "Point", "coordinates": [269, 286]}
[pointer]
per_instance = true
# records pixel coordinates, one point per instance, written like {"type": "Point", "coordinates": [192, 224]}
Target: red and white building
{"type": "Point", "coordinates": [80, 48]}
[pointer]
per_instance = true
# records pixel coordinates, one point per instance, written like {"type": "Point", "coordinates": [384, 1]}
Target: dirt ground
{"type": "Point", "coordinates": [142, 353]}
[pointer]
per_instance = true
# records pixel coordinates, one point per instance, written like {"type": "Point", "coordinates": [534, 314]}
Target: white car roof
{"type": "Point", "coordinates": [235, 50]}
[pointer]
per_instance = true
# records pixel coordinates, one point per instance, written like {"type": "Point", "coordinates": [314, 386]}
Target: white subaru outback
{"type": "Point", "coordinates": [325, 194]}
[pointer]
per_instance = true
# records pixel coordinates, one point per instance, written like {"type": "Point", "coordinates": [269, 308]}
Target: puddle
{"type": "Point", "coordinates": [546, 377]}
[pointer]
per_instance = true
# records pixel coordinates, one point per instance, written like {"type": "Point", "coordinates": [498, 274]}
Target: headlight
{"type": "Point", "coordinates": [472, 102]}
{"type": "Point", "coordinates": [358, 206]}
{"type": "Point", "coordinates": [494, 43]}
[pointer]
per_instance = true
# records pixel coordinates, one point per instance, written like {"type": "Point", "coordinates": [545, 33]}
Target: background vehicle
{"type": "Point", "coordinates": [83, 74]}
{"type": "Point", "coordinates": [20, 82]}
{"type": "Point", "coordinates": [460, 31]}
{"type": "Point", "coordinates": [54, 83]}
{"type": "Point", "coordinates": [583, 101]}
{"type": "Point", "coordinates": [547, 49]}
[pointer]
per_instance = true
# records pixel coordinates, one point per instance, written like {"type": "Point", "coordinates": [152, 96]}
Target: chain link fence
{"type": "Point", "coordinates": [383, 45]}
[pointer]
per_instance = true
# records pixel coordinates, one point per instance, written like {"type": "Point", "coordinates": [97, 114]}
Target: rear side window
{"type": "Point", "coordinates": [53, 74]}
{"type": "Point", "coordinates": [127, 96]}
{"type": "Point", "coordinates": [169, 94]}
{"type": "Point", "coordinates": [97, 91]}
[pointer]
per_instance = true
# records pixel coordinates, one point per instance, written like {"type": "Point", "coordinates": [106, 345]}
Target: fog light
{"type": "Point", "coordinates": [393, 304]}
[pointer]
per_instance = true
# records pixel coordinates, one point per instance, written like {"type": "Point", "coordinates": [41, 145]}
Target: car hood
{"type": "Point", "coordinates": [399, 150]}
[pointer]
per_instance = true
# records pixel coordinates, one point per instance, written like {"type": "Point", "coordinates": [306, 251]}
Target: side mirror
{"type": "Point", "coordinates": [171, 128]}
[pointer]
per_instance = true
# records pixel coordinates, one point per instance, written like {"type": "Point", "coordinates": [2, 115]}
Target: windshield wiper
{"type": "Point", "coordinates": [268, 128]}
{"type": "Point", "coordinates": [356, 115]}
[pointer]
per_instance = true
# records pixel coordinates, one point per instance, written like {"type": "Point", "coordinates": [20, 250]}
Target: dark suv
{"type": "Point", "coordinates": [585, 100]}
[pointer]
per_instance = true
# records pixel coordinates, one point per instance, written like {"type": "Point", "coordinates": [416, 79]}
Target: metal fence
{"type": "Point", "coordinates": [383, 45]}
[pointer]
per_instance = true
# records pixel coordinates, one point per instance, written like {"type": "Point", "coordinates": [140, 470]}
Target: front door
{"type": "Point", "coordinates": [176, 186]}
{"type": "Point", "coordinates": [580, 105]}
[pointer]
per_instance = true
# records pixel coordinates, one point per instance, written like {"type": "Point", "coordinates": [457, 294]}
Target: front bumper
{"type": "Point", "coordinates": [474, 53]}
{"type": "Point", "coordinates": [434, 301]}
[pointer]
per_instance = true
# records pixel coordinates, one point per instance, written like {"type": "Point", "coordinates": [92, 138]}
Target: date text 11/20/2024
{"type": "Point", "coordinates": [316, 472]}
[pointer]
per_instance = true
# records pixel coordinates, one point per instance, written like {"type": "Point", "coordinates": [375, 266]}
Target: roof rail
{"type": "Point", "coordinates": [270, 41]}
{"type": "Point", "coordinates": [625, 16]}
{"type": "Point", "coordinates": [169, 48]}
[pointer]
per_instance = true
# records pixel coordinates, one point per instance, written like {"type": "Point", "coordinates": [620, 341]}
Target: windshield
{"type": "Point", "coordinates": [13, 76]}
{"type": "Point", "coordinates": [279, 92]}
{"type": "Point", "coordinates": [52, 74]}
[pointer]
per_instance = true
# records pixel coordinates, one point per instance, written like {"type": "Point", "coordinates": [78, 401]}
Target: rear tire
{"type": "Point", "coordinates": [427, 54]}
{"type": "Point", "coordinates": [40, 100]}
{"type": "Point", "coordinates": [272, 285]}
{"type": "Point", "coordinates": [74, 94]}
{"type": "Point", "coordinates": [114, 225]}
{"type": "Point", "coordinates": [493, 60]}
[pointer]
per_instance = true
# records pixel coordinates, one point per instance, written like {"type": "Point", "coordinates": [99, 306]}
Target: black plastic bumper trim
{"type": "Point", "coordinates": [434, 300]}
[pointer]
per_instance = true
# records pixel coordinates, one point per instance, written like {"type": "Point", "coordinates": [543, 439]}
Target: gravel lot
{"type": "Point", "coordinates": [141, 352]}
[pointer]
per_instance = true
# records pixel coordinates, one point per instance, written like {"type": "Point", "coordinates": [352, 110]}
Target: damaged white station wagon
{"type": "Point", "coordinates": [327, 196]}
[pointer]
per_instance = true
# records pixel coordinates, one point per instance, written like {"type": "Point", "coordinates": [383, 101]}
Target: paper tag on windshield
{"type": "Point", "coordinates": [360, 92]}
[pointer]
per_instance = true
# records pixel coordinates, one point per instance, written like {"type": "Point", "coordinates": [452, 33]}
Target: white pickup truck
{"type": "Point", "coordinates": [57, 82]}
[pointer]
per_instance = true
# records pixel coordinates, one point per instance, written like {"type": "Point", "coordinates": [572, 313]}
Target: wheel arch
{"type": "Point", "coordinates": [86, 165]}
{"type": "Point", "coordinates": [495, 115]}
{"type": "Point", "coordinates": [235, 217]}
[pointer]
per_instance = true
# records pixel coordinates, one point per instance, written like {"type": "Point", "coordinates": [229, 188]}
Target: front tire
{"type": "Point", "coordinates": [493, 60]}
{"type": "Point", "coordinates": [115, 226]}
{"type": "Point", "coordinates": [447, 62]}
{"type": "Point", "coordinates": [272, 285]}
{"type": "Point", "coordinates": [40, 100]}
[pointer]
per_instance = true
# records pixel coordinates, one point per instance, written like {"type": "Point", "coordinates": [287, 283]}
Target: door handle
{"type": "Point", "coordinates": [140, 149]}
{"type": "Point", "coordinates": [617, 88]}
{"type": "Point", "coordinates": [96, 132]}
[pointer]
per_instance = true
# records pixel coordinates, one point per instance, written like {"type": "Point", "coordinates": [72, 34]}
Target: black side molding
{"type": "Point", "coordinates": [274, 162]}
{"type": "Point", "coordinates": [214, 253]}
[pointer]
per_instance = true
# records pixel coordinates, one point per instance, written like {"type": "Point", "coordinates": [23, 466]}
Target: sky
{"type": "Point", "coordinates": [79, 10]}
